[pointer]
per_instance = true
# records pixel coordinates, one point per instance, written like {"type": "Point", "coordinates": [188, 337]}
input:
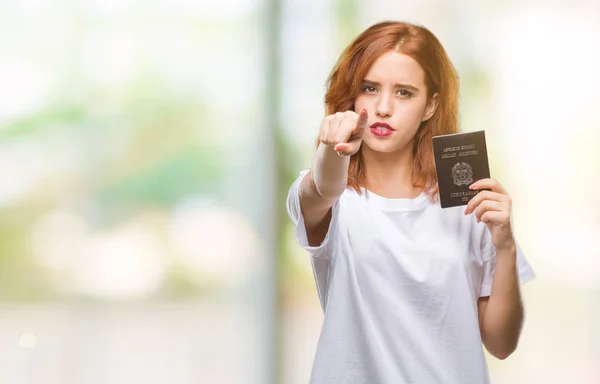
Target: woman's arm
{"type": "Point", "coordinates": [340, 137]}
{"type": "Point", "coordinates": [501, 314]}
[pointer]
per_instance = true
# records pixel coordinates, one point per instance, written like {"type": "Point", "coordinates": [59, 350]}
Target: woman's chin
{"type": "Point", "coordinates": [381, 146]}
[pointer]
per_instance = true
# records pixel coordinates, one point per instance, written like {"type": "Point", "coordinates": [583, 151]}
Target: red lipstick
{"type": "Point", "coordinates": [381, 129]}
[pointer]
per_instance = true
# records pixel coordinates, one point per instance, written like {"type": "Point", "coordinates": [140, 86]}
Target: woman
{"type": "Point", "coordinates": [410, 291]}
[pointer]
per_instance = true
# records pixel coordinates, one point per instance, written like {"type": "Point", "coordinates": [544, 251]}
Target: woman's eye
{"type": "Point", "coordinates": [404, 93]}
{"type": "Point", "coordinates": [369, 88]}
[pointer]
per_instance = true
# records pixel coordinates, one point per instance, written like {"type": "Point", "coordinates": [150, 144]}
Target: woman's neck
{"type": "Point", "coordinates": [390, 174]}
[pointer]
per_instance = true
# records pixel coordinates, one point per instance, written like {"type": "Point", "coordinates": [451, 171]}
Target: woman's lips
{"type": "Point", "coordinates": [381, 129]}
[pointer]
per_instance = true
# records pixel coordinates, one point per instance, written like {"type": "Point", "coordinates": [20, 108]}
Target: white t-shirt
{"type": "Point", "coordinates": [399, 280]}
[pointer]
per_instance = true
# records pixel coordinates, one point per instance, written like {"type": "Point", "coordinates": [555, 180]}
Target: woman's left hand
{"type": "Point", "coordinates": [493, 207]}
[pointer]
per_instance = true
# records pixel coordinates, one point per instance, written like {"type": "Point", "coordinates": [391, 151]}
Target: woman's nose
{"type": "Point", "coordinates": [384, 106]}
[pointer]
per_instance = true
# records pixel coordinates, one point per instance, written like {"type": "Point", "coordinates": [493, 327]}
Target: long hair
{"type": "Point", "coordinates": [344, 82]}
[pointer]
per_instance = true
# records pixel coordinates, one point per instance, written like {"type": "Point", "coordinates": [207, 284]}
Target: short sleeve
{"type": "Point", "coordinates": [524, 270]}
{"type": "Point", "coordinates": [295, 214]}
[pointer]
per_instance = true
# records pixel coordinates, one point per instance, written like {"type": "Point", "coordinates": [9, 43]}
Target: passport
{"type": "Point", "coordinates": [460, 160]}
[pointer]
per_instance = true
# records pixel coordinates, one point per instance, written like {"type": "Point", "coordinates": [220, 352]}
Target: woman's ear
{"type": "Point", "coordinates": [431, 107]}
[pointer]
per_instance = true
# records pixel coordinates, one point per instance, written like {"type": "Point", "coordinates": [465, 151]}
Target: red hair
{"type": "Point", "coordinates": [343, 86]}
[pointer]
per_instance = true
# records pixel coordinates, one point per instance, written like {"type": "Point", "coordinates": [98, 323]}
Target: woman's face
{"type": "Point", "coordinates": [395, 95]}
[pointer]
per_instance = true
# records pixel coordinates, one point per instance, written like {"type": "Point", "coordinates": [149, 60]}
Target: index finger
{"type": "Point", "coordinates": [361, 123]}
{"type": "Point", "coordinates": [490, 184]}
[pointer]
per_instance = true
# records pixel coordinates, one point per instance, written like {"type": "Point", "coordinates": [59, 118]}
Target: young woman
{"type": "Point", "coordinates": [410, 291]}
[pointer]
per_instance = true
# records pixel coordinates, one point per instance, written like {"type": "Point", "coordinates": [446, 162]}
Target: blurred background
{"type": "Point", "coordinates": [146, 149]}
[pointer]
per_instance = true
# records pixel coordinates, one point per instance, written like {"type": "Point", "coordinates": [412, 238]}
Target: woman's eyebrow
{"type": "Point", "coordinates": [397, 85]}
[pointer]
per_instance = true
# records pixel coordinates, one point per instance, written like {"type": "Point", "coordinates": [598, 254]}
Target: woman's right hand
{"type": "Point", "coordinates": [344, 131]}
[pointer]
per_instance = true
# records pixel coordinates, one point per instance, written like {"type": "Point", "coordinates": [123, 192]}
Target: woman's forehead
{"type": "Point", "coordinates": [395, 67]}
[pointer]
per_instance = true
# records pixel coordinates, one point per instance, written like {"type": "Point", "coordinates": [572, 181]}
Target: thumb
{"type": "Point", "coordinates": [347, 149]}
